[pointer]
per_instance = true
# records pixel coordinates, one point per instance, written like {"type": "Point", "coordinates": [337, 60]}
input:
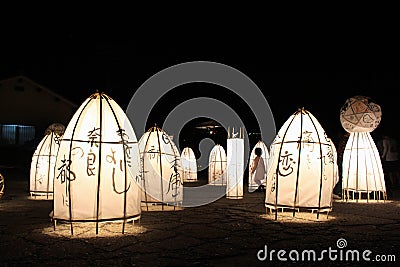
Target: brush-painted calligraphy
{"type": "Point", "coordinates": [286, 160]}
{"type": "Point", "coordinates": [111, 159]}
{"type": "Point", "coordinates": [175, 180]}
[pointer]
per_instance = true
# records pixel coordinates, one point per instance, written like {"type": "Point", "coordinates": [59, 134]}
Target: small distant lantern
{"type": "Point", "coordinates": [303, 169]}
{"type": "Point", "coordinates": [162, 176]}
{"type": "Point", "coordinates": [265, 156]}
{"type": "Point", "coordinates": [189, 165]}
{"type": "Point", "coordinates": [235, 165]}
{"type": "Point", "coordinates": [44, 162]}
{"type": "Point", "coordinates": [97, 169]}
{"type": "Point", "coordinates": [217, 166]}
{"type": "Point", "coordinates": [362, 173]}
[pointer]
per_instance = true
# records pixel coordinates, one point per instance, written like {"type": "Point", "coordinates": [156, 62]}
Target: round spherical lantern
{"type": "Point", "coordinates": [162, 176]}
{"type": "Point", "coordinates": [97, 175]}
{"type": "Point", "coordinates": [303, 169]}
{"type": "Point", "coordinates": [359, 114]}
{"type": "Point", "coordinates": [189, 165]}
{"type": "Point", "coordinates": [44, 162]}
{"type": "Point", "coordinates": [217, 166]}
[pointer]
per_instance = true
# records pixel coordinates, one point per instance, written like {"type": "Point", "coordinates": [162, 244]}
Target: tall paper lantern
{"type": "Point", "coordinates": [362, 173]}
{"type": "Point", "coordinates": [97, 168]}
{"type": "Point", "coordinates": [265, 156]}
{"type": "Point", "coordinates": [44, 162]}
{"type": "Point", "coordinates": [303, 168]}
{"type": "Point", "coordinates": [235, 165]}
{"type": "Point", "coordinates": [217, 166]}
{"type": "Point", "coordinates": [162, 176]}
{"type": "Point", "coordinates": [189, 165]}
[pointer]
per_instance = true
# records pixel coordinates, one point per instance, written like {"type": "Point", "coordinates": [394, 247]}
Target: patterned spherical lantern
{"type": "Point", "coordinates": [359, 114]}
{"type": "Point", "coordinates": [97, 175]}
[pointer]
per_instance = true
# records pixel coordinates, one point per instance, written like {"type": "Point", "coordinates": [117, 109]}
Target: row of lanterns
{"type": "Point", "coordinates": [96, 170]}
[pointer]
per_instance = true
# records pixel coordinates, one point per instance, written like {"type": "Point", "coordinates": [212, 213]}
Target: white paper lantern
{"type": "Point", "coordinates": [265, 156]}
{"type": "Point", "coordinates": [358, 114]}
{"type": "Point", "coordinates": [97, 170]}
{"type": "Point", "coordinates": [189, 165]}
{"type": "Point", "coordinates": [43, 164]}
{"type": "Point", "coordinates": [362, 171]}
{"type": "Point", "coordinates": [162, 176]}
{"type": "Point", "coordinates": [235, 166]}
{"type": "Point", "coordinates": [217, 166]}
{"type": "Point", "coordinates": [303, 168]}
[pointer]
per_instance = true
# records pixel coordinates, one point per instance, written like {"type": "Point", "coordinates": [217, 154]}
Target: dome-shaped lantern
{"type": "Point", "coordinates": [162, 176]}
{"type": "Point", "coordinates": [44, 162]}
{"type": "Point", "coordinates": [97, 169]}
{"type": "Point", "coordinates": [362, 173]}
{"type": "Point", "coordinates": [265, 156]}
{"type": "Point", "coordinates": [217, 166]}
{"type": "Point", "coordinates": [303, 169]}
{"type": "Point", "coordinates": [189, 165]}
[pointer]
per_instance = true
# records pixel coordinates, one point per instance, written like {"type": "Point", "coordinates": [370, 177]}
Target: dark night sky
{"type": "Point", "coordinates": [75, 65]}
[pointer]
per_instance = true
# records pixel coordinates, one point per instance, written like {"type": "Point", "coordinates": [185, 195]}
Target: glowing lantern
{"type": "Point", "coordinates": [362, 171]}
{"type": "Point", "coordinates": [358, 114]}
{"type": "Point", "coordinates": [97, 168]}
{"type": "Point", "coordinates": [265, 156]}
{"type": "Point", "coordinates": [217, 166]}
{"type": "Point", "coordinates": [303, 168]}
{"type": "Point", "coordinates": [161, 169]}
{"type": "Point", "coordinates": [189, 165]}
{"type": "Point", "coordinates": [44, 161]}
{"type": "Point", "coordinates": [235, 167]}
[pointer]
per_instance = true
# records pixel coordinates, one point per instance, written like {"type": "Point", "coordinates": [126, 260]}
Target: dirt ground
{"type": "Point", "coordinates": [224, 233]}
